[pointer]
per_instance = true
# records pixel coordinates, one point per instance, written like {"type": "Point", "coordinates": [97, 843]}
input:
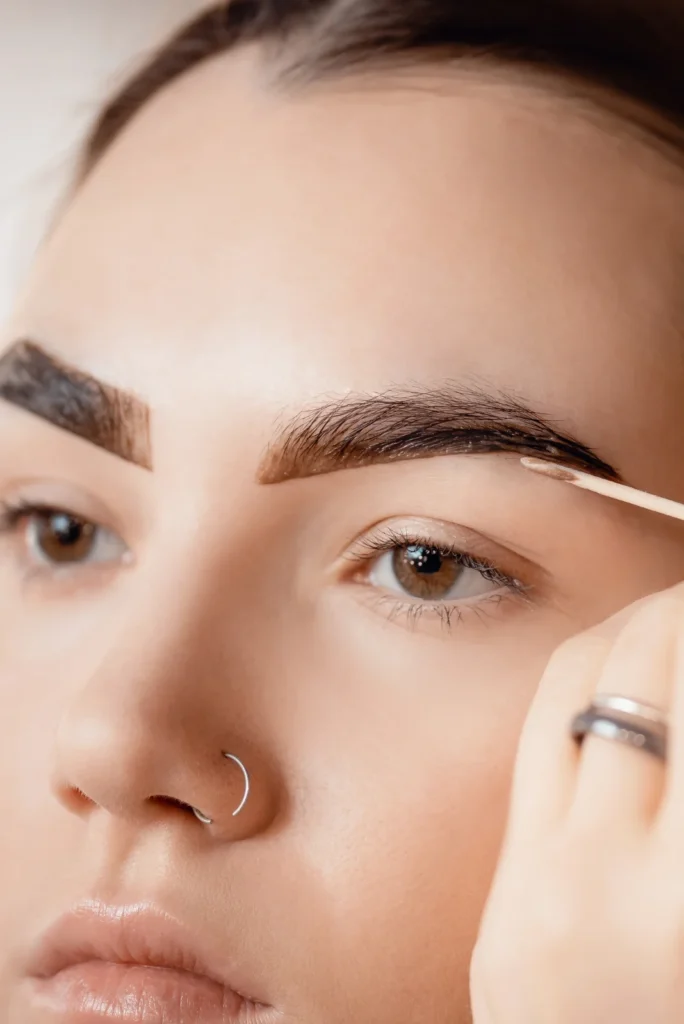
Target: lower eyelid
{"type": "Point", "coordinates": [440, 616]}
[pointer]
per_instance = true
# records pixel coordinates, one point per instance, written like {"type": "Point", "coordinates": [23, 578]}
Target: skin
{"type": "Point", "coordinates": [239, 254]}
{"type": "Point", "coordinates": [584, 919]}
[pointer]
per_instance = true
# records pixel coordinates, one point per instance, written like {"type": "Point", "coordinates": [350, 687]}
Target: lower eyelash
{"type": "Point", "coordinates": [450, 615]}
{"type": "Point", "coordinates": [413, 612]}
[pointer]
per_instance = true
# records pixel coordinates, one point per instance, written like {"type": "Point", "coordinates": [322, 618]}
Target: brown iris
{"type": "Point", "coordinates": [425, 572]}
{"type": "Point", "coordinates": [63, 538]}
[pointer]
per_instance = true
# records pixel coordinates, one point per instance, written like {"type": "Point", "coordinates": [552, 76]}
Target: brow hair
{"type": "Point", "coordinates": [630, 47]}
{"type": "Point", "coordinates": [416, 423]}
{"type": "Point", "coordinates": [38, 382]}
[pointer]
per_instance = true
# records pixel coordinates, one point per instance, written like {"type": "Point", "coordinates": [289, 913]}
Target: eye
{"type": "Point", "coordinates": [432, 571]}
{"type": "Point", "coordinates": [55, 537]}
{"type": "Point", "coordinates": [427, 573]}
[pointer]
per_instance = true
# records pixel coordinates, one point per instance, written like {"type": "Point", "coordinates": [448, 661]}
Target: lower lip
{"type": "Point", "coordinates": [96, 991]}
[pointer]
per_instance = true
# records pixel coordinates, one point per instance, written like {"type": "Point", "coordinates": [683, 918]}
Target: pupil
{"type": "Point", "coordinates": [66, 530]}
{"type": "Point", "coordinates": [424, 560]}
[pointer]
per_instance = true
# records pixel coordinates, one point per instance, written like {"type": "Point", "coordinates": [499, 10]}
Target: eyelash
{"type": "Point", "coordinates": [13, 513]}
{"type": "Point", "coordinates": [366, 551]}
{"type": "Point", "coordinates": [369, 549]}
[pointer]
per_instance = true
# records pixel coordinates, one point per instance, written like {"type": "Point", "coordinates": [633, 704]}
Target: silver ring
{"type": "Point", "coordinates": [633, 730]}
{"type": "Point", "coordinates": [245, 796]}
{"type": "Point", "coordinates": [627, 706]}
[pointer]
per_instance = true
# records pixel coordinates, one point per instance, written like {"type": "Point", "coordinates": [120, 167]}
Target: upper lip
{"type": "Point", "coordinates": [137, 933]}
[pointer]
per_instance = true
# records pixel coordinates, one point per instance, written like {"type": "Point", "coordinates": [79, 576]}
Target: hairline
{"type": "Point", "coordinates": [618, 115]}
{"type": "Point", "coordinates": [612, 110]}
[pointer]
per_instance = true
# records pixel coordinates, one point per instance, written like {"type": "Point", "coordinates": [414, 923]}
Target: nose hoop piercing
{"type": "Point", "coordinates": [245, 796]}
{"type": "Point", "coordinates": [245, 776]}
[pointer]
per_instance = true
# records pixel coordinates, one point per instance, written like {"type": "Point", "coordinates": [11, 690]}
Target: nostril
{"type": "Point", "coordinates": [76, 800]}
{"type": "Point", "coordinates": [170, 801]}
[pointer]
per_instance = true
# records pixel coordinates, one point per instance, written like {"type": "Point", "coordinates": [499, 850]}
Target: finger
{"type": "Point", "coordinates": [548, 758]}
{"type": "Point", "coordinates": [620, 786]}
{"type": "Point", "coordinates": [672, 807]}
{"type": "Point", "coordinates": [546, 764]}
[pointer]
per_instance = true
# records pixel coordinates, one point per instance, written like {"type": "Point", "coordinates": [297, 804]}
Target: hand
{"type": "Point", "coordinates": [585, 920]}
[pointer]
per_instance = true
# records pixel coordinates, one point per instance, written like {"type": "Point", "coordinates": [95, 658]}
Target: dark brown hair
{"type": "Point", "coordinates": [632, 47]}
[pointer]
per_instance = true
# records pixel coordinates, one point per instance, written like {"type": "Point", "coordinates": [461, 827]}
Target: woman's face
{"type": "Point", "coordinates": [312, 293]}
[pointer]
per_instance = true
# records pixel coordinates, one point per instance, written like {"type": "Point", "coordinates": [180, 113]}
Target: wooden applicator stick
{"type": "Point", "coordinates": [619, 492]}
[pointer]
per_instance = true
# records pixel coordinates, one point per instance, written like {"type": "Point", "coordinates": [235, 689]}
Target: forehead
{"type": "Point", "coordinates": [380, 228]}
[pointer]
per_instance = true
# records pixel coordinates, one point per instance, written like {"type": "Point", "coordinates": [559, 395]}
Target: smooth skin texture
{"type": "Point", "coordinates": [584, 920]}
{"type": "Point", "coordinates": [238, 255]}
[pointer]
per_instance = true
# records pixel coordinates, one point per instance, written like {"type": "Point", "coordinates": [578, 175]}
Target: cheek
{"type": "Point", "coordinates": [33, 822]}
{"type": "Point", "coordinates": [403, 843]}
{"type": "Point", "coordinates": [403, 796]}
{"type": "Point", "coordinates": [46, 655]}
{"type": "Point", "coordinates": [44, 659]}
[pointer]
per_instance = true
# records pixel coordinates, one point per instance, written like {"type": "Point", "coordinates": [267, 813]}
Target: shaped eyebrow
{"type": "Point", "coordinates": [38, 382]}
{"type": "Point", "coordinates": [418, 423]}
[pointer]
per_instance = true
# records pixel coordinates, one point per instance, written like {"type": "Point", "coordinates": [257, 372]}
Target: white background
{"type": "Point", "coordinates": [59, 59]}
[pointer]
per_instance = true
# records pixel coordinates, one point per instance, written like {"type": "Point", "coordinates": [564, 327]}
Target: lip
{"type": "Point", "coordinates": [135, 963]}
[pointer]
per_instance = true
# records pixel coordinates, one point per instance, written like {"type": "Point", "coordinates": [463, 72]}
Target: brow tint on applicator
{"type": "Point", "coordinates": [608, 488]}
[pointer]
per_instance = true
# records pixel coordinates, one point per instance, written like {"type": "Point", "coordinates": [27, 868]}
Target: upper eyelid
{"type": "Point", "coordinates": [13, 515]}
{"type": "Point", "coordinates": [368, 548]}
{"type": "Point", "coordinates": [128, 512]}
{"type": "Point", "coordinates": [464, 540]}
{"type": "Point", "coordinates": [14, 511]}
{"type": "Point", "coordinates": [129, 521]}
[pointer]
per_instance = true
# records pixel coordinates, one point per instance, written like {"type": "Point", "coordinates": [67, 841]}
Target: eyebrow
{"type": "Point", "coordinates": [419, 423]}
{"type": "Point", "coordinates": [36, 381]}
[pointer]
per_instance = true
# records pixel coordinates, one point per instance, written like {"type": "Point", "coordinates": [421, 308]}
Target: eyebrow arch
{"type": "Point", "coordinates": [418, 423]}
{"type": "Point", "coordinates": [36, 381]}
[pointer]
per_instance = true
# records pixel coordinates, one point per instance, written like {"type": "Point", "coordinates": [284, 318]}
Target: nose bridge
{"type": "Point", "coordinates": [164, 636]}
{"type": "Point", "coordinates": [150, 726]}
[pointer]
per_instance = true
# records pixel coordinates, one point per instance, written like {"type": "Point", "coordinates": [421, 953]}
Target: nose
{"type": "Point", "coordinates": [160, 729]}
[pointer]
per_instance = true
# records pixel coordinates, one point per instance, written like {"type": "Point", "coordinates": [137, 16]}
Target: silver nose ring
{"type": "Point", "coordinates": [245, 796]}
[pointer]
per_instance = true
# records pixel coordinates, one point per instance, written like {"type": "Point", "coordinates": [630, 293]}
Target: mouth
{"type": "Point", "coordinates": [135, 964]}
